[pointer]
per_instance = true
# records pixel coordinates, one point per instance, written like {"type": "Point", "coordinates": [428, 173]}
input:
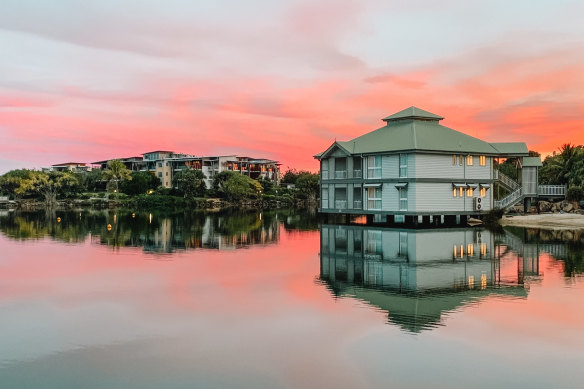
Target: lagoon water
{"type": "Point", "coordinates": [274, 300]}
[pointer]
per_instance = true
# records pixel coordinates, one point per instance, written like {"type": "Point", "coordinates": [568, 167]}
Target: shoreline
{"type": "Point", "coordinates": [546, 221]}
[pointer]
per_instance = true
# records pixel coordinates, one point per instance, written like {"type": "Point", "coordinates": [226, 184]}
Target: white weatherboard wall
{"type": "Point", "coordinates": [436, 197]}
{"type": "Point", "coordinates": [389, 166]}
{"type": "Point", "coordinates": [440, 166]}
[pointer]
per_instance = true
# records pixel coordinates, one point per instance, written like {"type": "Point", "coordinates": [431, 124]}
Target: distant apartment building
{"type": "Point", "coordinates": [165, 164]}
{"type": "Point", "coordinates": [75, 167]}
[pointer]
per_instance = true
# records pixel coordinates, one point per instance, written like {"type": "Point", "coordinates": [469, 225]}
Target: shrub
{"type": "Point", "coordinates": [575, 193]}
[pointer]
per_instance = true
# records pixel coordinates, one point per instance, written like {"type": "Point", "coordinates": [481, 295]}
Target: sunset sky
{"type": "Point", "coordinates": [89, 80]}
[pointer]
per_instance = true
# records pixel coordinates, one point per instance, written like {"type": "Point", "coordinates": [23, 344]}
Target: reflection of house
{"type": "Point", "coordinates": [415, 275]}
{"type": "Point", "coordinates": [164, 164]}
{"type": "Point", "coordinates": [415, 167]}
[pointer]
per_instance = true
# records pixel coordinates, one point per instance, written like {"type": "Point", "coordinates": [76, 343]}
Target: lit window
{"type": "Point", "coordinates": [470, 282]}
{"type": "Point", "coordinates": [373, 198]}
{"type": "Point", "coordinates": [461, 191]}
{"type": "Point", "coordinates": [454, 192]}
{"type": "Point", "coordinates": [453, 159]}
{"type": "Point", "coordinates": [482, 160]}
{"type": "Point", "coordinates": [454, 252]}
{"type": "Point", "coordinates": [469, 160]}
{"type": "Point", "coordinates": [483, 192]}
{"type": "Point", "coordinates": [483, 249]}
{"type": "Point", "coordinates": [470, 249]}
{"type": "Point", "coordinates": [483, 281]}
{"type": "Point", "coordinates": [469, 192]}
{"type": "Point", "coordinates": [460, 160]}
{"type": "Point", "coordinates": [374, 166]}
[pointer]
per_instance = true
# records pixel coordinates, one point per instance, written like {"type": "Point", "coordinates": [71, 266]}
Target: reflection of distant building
{"type": "Point", "coordinates": [211, 234]}
{"type": "Point", "coordinates": [415, 275]}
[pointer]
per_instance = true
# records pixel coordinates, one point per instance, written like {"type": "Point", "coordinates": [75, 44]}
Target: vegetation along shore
{"type": "Point", "coordinates": [118, 187]}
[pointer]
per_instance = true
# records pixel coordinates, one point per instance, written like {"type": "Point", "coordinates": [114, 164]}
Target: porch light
{"type": "Point", "coordinates": [58, 220]}
{"type": "Point", "coordinates": [109, 227]}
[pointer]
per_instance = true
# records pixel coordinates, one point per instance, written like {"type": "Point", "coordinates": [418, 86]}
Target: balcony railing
{"type": "Point", "coordinates": [357, 174]}
{"type": "Point", "coordinates": [357, 204]}
{"type": "Point", "coordinates": [551, 190]}
{"type": "Point", "coordinates": [340, 174]}
{"type": "Point", "coordinates": [340, 204]}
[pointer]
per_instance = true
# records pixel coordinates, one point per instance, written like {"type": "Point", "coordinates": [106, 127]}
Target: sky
{"type": "Point", "coordinates": [82, 81]}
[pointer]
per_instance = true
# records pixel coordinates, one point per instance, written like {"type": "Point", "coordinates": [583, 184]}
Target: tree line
{"type": "Point", "coordinates": [117, 182]}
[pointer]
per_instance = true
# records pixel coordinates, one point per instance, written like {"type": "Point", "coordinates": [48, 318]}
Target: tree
{"type": "Point", "coordinates": [190, 183]}
{"type": "Point", "coordinates": [139, 183]}
{"type": "Point", "coordinates": [290, 176]}
{"type": "Point", "coordinates": [115, 172]}
{"type": "Point", "coordinates": [235, 186]}
{"type": "Point", "coordinates": [17, 183]}
{"type": "Point", "coordinates": [94, 181]}
{"type": "Point", "coordinates": [564, 168]}
{"type": "Point", "coordinates": [308, 186]}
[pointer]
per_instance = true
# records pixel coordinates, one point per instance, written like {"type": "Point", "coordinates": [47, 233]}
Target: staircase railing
{"type": "Point", "coordinates": [509, 200]}
{"type": "Point", "coordinates": [507, 181]}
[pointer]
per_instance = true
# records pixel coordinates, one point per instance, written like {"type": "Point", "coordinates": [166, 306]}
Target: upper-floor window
{"type": "Point", "coordinates": [403, 165]}
{"type": "Point", "coordinates": [325, 169]}
{"type": "Point", "coordinates": [454, 159]}
{"type": "Point", "coordinates": [374, 166]}
{"type": "Point", "coordinates": [482, 160]}
{"type": "Point", "coordinates": [159, 164]}
{"type": "Point", "coordinates": [460, 159]}
{"type": "Point", "coordinates": [469, 160]}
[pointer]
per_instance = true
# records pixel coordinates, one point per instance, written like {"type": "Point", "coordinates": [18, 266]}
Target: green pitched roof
{"type": "Point", "coordinates": [412, 113]}
{"type": "Point", "coordinates": [511, 148]}
{"type": "Point", "coordinates": [532, 162]}
{"type": "Point", "coordinates": [416, 129]}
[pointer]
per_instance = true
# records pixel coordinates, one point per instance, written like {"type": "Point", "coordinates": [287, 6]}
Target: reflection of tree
{"type": "Point", "coordinates": [153, 232]}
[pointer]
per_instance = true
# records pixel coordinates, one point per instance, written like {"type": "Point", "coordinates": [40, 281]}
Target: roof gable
{"type": "Point", "coordinates": [413, 113]}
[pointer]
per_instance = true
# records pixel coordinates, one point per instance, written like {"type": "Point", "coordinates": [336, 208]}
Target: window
{"type": "Point", "coordinates": [403, 199]}
{"type": "Point", "coordinates": [159, 164]}
{"type": "Point", "coordinates": [454, 191]}
{"type": "Point", "coordinates": [403, 165]}
{"type": "Point", "coordinates": [460, 160]}
{"type": "Point", "coordinates": [325, 198]}
{"type": "Point", "coordinates": [159, 174]}
{"type": "Point", "coordinates": [374, 166]}
{"type": "Point", "coordinates": [483, 192]}
{"type": "Point", "coordinates": [453, 159]}
{"type": "Point", "coordinates": [374, 198]}
{"type": "Point", "coordinates": [461, 191]}
{"type": "Point", "coordinates": [166, 174]}
{"type": "Point", "coordinates": [469, 192]}
{"type": "Point", "coordinates": [469, 160]}
{"type": "Point", "coordinates": [482, 160]}
{"type": "Point", "coordinates": [324, 169]}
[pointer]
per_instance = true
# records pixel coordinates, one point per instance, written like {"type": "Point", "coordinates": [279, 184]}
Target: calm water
{"type": "Point", "coordinates": [274, 300]}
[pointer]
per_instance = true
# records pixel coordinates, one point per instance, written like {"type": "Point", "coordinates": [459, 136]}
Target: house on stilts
{"type": "Point", "coordinates": [415, 170]}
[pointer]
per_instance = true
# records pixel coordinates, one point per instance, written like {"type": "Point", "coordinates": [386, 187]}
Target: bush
{"type": "Point", "coordinates": [575, 193]}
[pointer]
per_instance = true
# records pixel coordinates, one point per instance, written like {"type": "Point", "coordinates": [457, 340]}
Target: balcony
{"type": "Point", "coordinates": [357, 204]}
{"type": "Point", "coordinates": [551, 190]}
{"type": "Point", "coordinates": [340, 204]}
{"type": "Point", "coordinates": [357, 174]}
{"type": "Point", "coordinates": [339, 174]}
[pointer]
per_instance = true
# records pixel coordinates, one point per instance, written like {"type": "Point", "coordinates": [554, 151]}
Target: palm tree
{"type": "Point", "coordinates": [115, 172]}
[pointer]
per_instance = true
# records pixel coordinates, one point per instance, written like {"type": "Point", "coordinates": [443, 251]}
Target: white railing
{"type": "Point", "coordinates": [357, 174]}
{"type": "Point", "coordinates": [340, 204]}
{"type": "Point", "coordinates": [357, 204]}
{"type": "Point", "coordinates": [551, 190]}
{"type": "Point", "coordinates": [507, 181]}
{"type": "Point", "coordinates": [340, 174]}
{"type": "Point", "coordinates": [510, 199]}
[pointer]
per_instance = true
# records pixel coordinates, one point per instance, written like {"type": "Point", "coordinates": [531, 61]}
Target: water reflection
{"type": "Point", "coordinates": [417, 276]}
{"type": "Point", "coordinates": [153, 232]}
